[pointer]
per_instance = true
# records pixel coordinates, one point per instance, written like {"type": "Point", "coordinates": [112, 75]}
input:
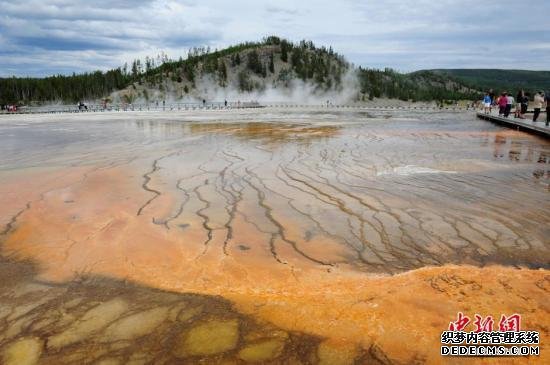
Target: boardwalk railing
{"type": "Point", "coordinates": [63, 108]}
{"type": "Point", "coordinates": [359, 106]}
{"type": "Point", "coordinates": [212, 106]}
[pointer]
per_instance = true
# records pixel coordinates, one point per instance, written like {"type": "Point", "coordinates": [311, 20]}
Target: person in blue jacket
{"type": "Point", "coordinates": [487, 103]}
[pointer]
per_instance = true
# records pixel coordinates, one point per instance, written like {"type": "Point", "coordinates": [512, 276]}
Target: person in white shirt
{"type": "Point", "coordinates": [509, 103]}
{"type": "Point", "coordinates": [537, 104]}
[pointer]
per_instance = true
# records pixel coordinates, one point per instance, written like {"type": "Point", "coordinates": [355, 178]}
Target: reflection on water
{"type": "Point", "coordinates": [286, 215]}
{"type": "Point", "coordinates": [269, 133]}
{"type": "Point", "coordinates": [518, 149]}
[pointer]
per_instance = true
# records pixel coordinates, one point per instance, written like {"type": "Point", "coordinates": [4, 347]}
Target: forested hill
{"type": "Point", "coordinates": [243, 68]}
{"type": "Point", "coordinates": [274, 67]}
{"type": "Point", "coordinates": [416, 86]}
{"type": "Point", "coordinates": [501, 80]}
{"type": "Point", "coordinates": [271, 69]}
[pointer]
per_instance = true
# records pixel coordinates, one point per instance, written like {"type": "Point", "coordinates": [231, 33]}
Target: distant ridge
{"type": "Point", "coordinates": [499, 79]}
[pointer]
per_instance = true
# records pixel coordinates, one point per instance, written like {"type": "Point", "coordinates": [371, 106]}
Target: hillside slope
{"type": "Point", "coordinates": [416, 86]}
{"type": "Point", "coordinates": [510, 80]}
{"type": "Point", "coordinates": [274, 69]}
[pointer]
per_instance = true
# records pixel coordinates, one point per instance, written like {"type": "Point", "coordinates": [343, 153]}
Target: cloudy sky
{"type": "Point", "coordinates": [43, 37]}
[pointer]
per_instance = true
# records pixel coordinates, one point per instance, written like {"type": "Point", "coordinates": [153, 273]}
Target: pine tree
{"type": "Point", "coordinates": [148, 65]}
{"type": "Point", "coordinates": [284, 51]}
{"type": "Point", "coordinates": [244, 81]}
{"type": "Point", "coordinates": [271, 64]}
{"type": "Point", "coordinates": [253, 63]}
{"type": "Point", "coordinates": [222, 72]}
{"type": "Point", "coordinates": [134, 69]}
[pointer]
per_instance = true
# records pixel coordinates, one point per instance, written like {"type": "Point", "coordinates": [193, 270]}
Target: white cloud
{"type": "Point", "coordinates": [51, 36]}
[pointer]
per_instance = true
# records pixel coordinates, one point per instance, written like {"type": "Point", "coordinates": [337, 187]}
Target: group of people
{"type": "Point", "coordinates": [505, 102]}
{"type": "Point", "coordinates": [9, 108]}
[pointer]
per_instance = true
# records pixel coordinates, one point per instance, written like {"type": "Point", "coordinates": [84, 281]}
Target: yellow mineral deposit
{"type": "Point", "coordinates": [92, 321]}
{"type": "Point", "coordinates": [209, 338]}
{"type": "Point", "coordinates": [135, 325]}
{"type": "Point", "coordinates": [25, 351]}
{"type": "Point", "coordinates": [308, 239]}
{"type": "Point", "coordinates": [262, 351]}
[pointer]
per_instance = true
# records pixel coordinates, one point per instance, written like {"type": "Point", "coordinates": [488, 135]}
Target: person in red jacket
{"type": "Point", "coordinates": [502, 101]}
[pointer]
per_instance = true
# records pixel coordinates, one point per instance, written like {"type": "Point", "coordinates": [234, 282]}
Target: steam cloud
{"type": "Point", "coordinates": [296, 91]}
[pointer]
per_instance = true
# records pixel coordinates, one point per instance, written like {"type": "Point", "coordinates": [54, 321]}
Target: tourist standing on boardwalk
{"type": "Point", "coordinates": [502, 103]}
{"type": "Point", "coordinates": [517, 113]}
{"type": "Point", "coordinates": [524, 104]}
{"type": "Point", "coordinates": [537, 104]}
{"type": "Point", "coordinates": [486, 103]}
{"type": "Point", "coordinates": [521, 106]}
{"type": "Point", "coordinates": [518, 106]}
{"type": "Point", "coordinates": [547, 100]}
{"type": "Point", "coordinates": [509, 103]}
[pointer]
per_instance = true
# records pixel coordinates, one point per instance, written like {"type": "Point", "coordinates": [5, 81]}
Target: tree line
{"type": "Point", "coordinates": [25, 90]}
{"type": "Point", "coordinates": [416, 86]}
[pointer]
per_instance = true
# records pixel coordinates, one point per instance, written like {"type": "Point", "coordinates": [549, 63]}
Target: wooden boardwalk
{"type": "Point", "coordinates": [526, 125]}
